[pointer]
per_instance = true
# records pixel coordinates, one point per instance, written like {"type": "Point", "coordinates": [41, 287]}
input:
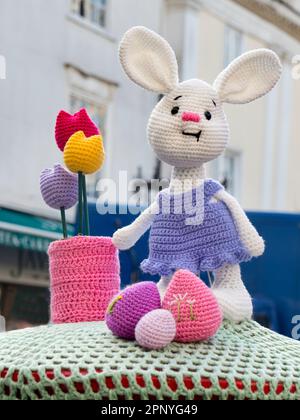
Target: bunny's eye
{"type": "Point", "coordinates": [175, 110]}
{"type": "Point", "coordinates": [208, 115]}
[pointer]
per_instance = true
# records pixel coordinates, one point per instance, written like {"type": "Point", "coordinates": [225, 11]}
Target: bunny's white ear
{"type": "Point", "coordinates": [149, 60]}
{"type": "Point", "coordinates": [249, 77]}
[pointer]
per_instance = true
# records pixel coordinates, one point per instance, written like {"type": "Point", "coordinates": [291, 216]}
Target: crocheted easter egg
{"type": "Point", "coordinates": [84, 154]}
{"type": "Point", "coordinates": [156, 330]}
{"type": "Point", "coordinates": [130, 306]}
{"type": "Point", "coordinates": [194, 307]}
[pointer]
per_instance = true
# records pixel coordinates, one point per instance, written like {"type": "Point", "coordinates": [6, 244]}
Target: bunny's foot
{"type": "Point", "coordinates": [163, 285]}
{"type": "Point", "coordinates": [232, 295]}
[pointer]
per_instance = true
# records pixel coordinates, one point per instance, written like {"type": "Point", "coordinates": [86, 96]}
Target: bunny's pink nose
{"type": "Point", "coordinates": [191, 116]}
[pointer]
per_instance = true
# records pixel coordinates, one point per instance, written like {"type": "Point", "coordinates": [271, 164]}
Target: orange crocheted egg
{"type": "Point", "coordinates": [84, 154]}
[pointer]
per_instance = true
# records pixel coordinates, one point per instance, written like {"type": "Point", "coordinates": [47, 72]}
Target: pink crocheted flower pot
{"type": "Point", "coordinates": [84, 277]}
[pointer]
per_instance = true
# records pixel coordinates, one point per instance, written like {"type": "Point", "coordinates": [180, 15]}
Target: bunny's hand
{"type": "Point", "coordinates": [124, 238]}
{"type": "Point", "coordinates": [127, 237]}
{"type": "Point", "coordinates": [249, 236]}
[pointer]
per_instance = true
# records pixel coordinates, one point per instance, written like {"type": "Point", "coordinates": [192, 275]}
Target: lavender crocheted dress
{"type": "Point", "coordinates": [206, 245]}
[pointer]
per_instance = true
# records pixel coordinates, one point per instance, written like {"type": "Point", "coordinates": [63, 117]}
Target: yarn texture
{"type": "Point", "coordinates": [82, 154]}
{"type": "Point", "coordinates": [156, 330]}
{"type": "Point", "coordinates": [239, 84]}
{"type": "Point", "coordinates": [187, 129]}
{"type": "Point", "coordinates": [136, 60]}
{"type": "Point", "coordinates": [86, 362]}
{"type": "Point", "coordinates": [203, 141]}
{"type": "Point", "coordinates": [205, 246]}
{"type": "Point", "coordinates": [254, 244]}
{"type": "Point", "coordinates": [126, 309]}
{"type": "Point", "coordinates": [59, 188]}
{"type": "Point", "coordinates": [194, 307]}
{"type": "Point", "coordinates": [84, 276]}
{"type": "Point", "coordinates": [67, 125]}
{"type": "Point", "coordinates": [231, 294]}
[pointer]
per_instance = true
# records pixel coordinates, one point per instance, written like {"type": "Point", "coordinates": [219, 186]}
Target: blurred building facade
{"type": "Point", "coordinates": [63, 54]}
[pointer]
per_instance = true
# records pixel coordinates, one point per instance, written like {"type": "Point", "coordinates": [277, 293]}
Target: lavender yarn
{"type": "Point", "coordinates": [59, 188]}
{"type": "Point", "coordinates": [204, 247]}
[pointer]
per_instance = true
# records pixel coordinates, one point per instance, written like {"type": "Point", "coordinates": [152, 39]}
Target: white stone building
{"type": "Point", "coordinates": [63, 54]}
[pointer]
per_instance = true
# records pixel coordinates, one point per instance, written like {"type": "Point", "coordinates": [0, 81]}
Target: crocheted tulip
{"type": "Point", "coordinates": [194, 307]}
{"type": "Point", "coordinates": [156, 330]}
{"type": "Point", "coordinates": [82, 154]}
{"type": "Point", "coordinates": [130, 306]}
{"type": "Point", "coordinates": [67, 125]}
{"type": "Point", "coordinates": [59, 188]}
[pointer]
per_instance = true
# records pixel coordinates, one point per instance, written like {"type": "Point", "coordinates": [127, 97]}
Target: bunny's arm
{"type": "Point", "coordinates": [247, 232]}
{"type": "Point", "coordinates": [128, 236]}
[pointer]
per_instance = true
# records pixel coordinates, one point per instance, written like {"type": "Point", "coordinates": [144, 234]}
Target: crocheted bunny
{"type": "Point", "coordinates": [187, 129]}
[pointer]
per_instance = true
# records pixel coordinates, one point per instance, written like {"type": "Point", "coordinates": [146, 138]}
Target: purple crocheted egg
{"type": "Point", "coordinates": [156, 330]}
{"type": "Point", "coordinates": [130, 306]}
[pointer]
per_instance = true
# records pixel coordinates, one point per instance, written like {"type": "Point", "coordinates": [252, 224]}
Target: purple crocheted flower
{"type": "Point", "coordinates": [59, 188]}
{"type": "Point", "coordinates": [126, 310]}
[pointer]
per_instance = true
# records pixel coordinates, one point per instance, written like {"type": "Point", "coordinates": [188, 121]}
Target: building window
{"type": "Point", "coordinates": [93, 10]}
{"type": "Point", "coordinates": [98, 113]}
{"type": "Point", "coordinates": [82, 8]}
{"type": "Point", "coordinates": [227, 169]}
{"type": "Point", "coordinates": [97, 97]}
{"type": "Point", "coordinates": [234, 44]}
{"type": "Point", "coordinates": [98, 12]}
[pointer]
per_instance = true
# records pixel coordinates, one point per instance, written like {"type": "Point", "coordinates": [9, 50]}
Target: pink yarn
{"type": "Point", "coordinates": [191, 116]}
{"type": "Point", "coordinates": [67, 125]}
{"type": "Point", "coordinates": [85, 275]}
{"type": "Point", "coordinates": [156, 330]}
{"type": "Point", "coordinates": [194, 307]}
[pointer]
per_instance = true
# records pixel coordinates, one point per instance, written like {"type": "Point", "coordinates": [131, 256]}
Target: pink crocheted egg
{"type": "Point", "coordinates": [194, 307]}
{"type": "Point", "coordinates": [156, 330]}
{"type": "Point", "coordinates": [130, 306]}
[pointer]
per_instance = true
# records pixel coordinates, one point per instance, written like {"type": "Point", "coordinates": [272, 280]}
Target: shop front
{"type": "Point", "coordinates": [24, 279]}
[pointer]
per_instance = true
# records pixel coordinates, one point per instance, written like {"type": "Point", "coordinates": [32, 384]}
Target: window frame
{"type": "Point", "coordinates": [234, 44]}
{"type": "Point", "coordinates": [219, 170]}
{"type": "Point", "coordinates": [99, 93]}
{"type": "Point", "coordinates": [80, 96]}
{"type": "Point", "coordinates": [87, 17]}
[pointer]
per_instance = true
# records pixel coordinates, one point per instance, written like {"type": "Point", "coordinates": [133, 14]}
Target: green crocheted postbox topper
{"type": "Point", "coordinates": [84, 361]}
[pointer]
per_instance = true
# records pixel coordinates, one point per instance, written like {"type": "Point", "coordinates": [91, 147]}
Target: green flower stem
{"type": "Point", "coordinates": [86, 207]}
{"type": "Point", "coordinates": [80, 204]}
{"type": "Point", "coordinates": [63, 221]}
